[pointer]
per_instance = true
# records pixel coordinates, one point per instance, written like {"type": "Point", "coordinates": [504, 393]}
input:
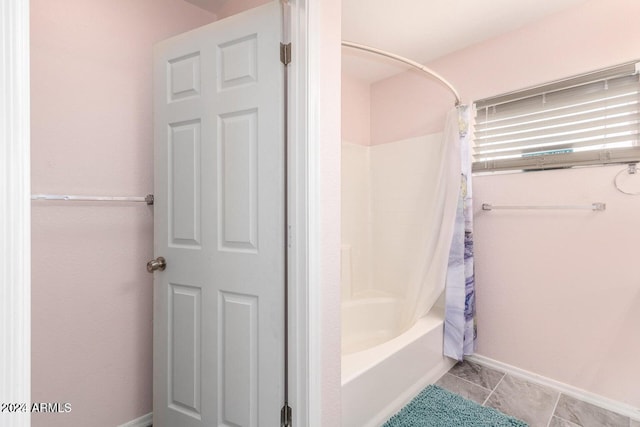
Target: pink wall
{"type": "Point", "coordinates": [92, 134]}
{"type": "Point", "coordinates": [232, 7]}
{"type": "Point", "coordinates": [356, 114]}
{"type": "Point", "coordinates": [557, 293]}
{"type": "Point", "coordinates": [327, 18]}
{"type": "Point", "coordinates": [408, 105]}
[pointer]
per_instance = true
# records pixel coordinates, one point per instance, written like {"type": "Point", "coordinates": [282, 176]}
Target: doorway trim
{"type": "Point", "coordinates": [15, 212]}
{"type": "Point", "coordinates": [314, 130]}
{"type": "Point", "coordinates": [304, 361]}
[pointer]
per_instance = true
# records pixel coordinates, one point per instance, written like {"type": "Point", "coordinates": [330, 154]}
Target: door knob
{"type": "Point", "coordinates": [157, 264]}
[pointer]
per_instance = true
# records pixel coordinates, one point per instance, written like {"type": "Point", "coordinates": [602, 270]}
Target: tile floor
{"type": "Point", "coordinates": [538, 405]}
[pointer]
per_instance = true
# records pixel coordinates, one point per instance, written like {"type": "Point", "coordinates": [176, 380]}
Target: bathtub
{"type": "Point", "coordinates": [382, 369]}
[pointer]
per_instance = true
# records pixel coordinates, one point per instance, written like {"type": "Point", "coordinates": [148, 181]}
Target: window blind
{"type": "Point", "coordinates": [586, 120]}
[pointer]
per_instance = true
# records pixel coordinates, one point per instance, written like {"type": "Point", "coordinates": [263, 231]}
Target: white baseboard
{"type": "Point", "coordinates": [143, 421]}
{"type": "Point", "coordinates": [569, 390]}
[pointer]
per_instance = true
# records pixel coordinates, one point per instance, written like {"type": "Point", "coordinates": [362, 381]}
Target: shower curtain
{"type": "Point", "coordinates": [460, 326]}
{"type": "Point", "coordinates": [437, 210]}
{"type": "Point", "coordinates": [446, 248]}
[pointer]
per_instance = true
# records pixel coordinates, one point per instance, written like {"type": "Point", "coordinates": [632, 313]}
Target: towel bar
{"type": "Point", "coordinates": [148, 199]}
{"type": "Point", "coordinates": [596, 206]}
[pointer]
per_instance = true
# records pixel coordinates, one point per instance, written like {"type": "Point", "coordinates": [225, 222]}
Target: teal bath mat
{"type": "Point", "coordinates": [437, 407]}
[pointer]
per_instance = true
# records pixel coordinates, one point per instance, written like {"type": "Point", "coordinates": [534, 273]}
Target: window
{"type": "Point", "coordinates": [592, 119]}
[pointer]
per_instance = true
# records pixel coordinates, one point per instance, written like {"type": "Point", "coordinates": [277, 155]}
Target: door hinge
{"type": "Point", "coordinates": [285, 416]}
{"type": "Point", "coordinates": [285, 53]}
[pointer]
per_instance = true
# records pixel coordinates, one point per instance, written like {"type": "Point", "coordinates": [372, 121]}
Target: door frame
{"type": "Point", "coordinates": [315, 170]}
{"type": "Point", "coordinates": [306, 309]}
{"type": "Point", "coordinates": [15, 211]}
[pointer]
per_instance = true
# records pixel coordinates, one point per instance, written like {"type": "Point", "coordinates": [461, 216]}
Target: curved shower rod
{"type": "Point", "coordinates": [406, 61]}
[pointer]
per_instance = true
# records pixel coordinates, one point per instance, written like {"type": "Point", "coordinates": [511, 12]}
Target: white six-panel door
{"type": "Point", "coordinates": [219, 206]}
